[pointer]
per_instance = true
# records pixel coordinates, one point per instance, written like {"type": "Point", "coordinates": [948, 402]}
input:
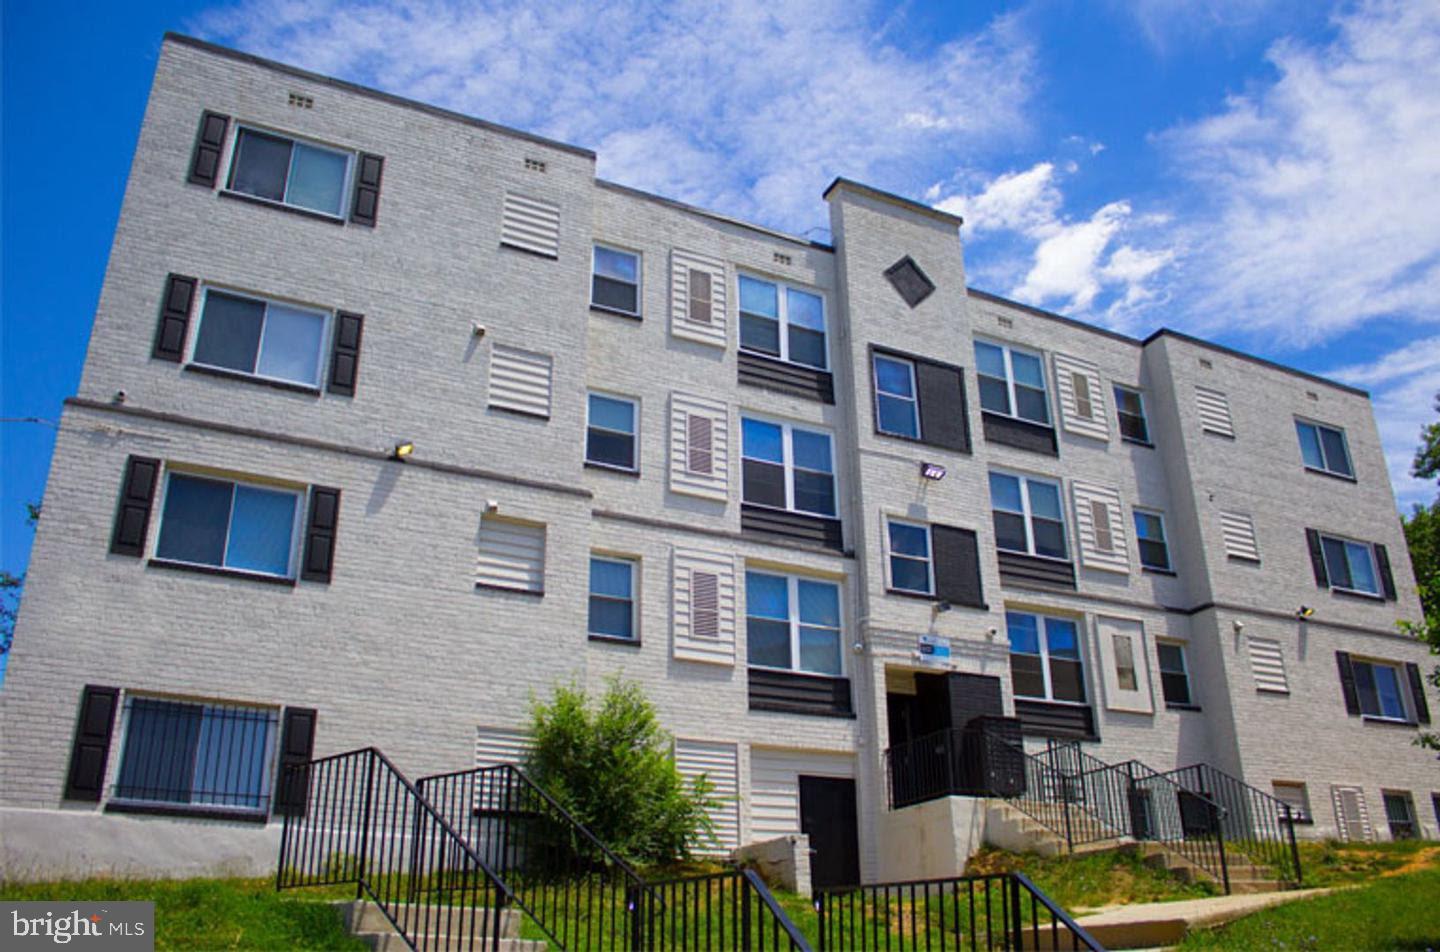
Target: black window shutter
{"type": "Point", "coordinates": [1387, 578]}
{"type": "Point", "coordinates": [367, 190]}
{"type": "Point", "coordinates": [1417, 692]}
{"type": "Point", "coordinates": [174, 318]}
{"type": "Point", "coordinates": [1347, 683]}
{"type": "Point", "coordinates": [1317, 558]}
{"type": "Point", "coordinates": [944, 420]}
{"type": "Point", "coordinates": [209, 141]}
{"type": "Point", "coordinates": [137, 496]}
{"type": "Point", "coordinates": [91, 750]}
{"type": "Point", "coordinates": [957, 566]}
{"type": "Point", "coordinates": [320, 534]}
{"type": "Point", "coordinates": [345, 353]}
{"type": "Point", "coordinates": [297, 742]}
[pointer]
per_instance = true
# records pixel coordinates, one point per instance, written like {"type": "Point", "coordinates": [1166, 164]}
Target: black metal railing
{"type": "Point", "coordinates": [1254, 824]}
{"type": "Point", "coordinates": [207, 756]}
{"type": "Point", "coordinates": [961, 914]}
{"type": "Point", "coordinates": [1183, 821]}
{"type": "Point", "coordinates": [355, 818]}
{"type": "Point", "coordinates": [953, 762]}
{"type": "Point", "coordinates": [581, 893]}
{"type": "Point", "coordinates": [728, 910]}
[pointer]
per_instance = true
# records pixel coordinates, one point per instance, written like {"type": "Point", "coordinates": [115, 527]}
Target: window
{"type": "Point", "coordinates": [260, 338]}
{"type": "Point", "coordinates": [1174, 675]}
{"type": "Point", "coordinates": [1150, 533]}
{"type": "Point", "coordinates": [783, 322]}
{"type": "Point", "coordinates": [897, 410]}
{"type": "Point", "coordinates": [910, 559]}
{"type": "Point", "coordinates": [786, 467]}
{"type": "Point", "coordinates": [793, 623]}
{"type": "Point", "coordinates": [1045, 657]}
{"type": "Point", "coordinates": [1350, 565]}
{"type": "Point", "coordinates": [1012, 382]}
{"type": "Point", "coordinates": [1028, 515]}
{"type": "Point", "coordinates": [615, 283]}
{"type": "Point", "coordinates": [1378, 687]}
{"type": "Point", "coordinates": [1294, 796]}
{"type": "Point", "coordinates": [1323, 448]}
{"type": "Point", "coordinates": [610, 432]}
{"type": "Point", "coordinates": [290, 171]}
{"type": "Point", "coordinates": [612, 597]}
{"type": "Point", "coordinates": [1400, 814]}
{"type": "Point", "coordinates": [208, 755]}
{"type": "Point", "coordinates": [1124, 647]}
{"type": "Point", "coordinates": [1130, 408]}
{"type": "Point", "coordinates": [233, 525]}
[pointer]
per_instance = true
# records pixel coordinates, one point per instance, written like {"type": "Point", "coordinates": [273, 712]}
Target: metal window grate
{"type": "Point", "coordinates": [196, 754]}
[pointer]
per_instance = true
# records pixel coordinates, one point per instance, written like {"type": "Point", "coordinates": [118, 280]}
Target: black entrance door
{"type": "Point", "coordinates": [827, 816]}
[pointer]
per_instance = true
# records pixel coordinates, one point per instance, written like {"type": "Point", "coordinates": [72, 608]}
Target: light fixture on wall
{"type": "Point", "coordinates": [1238, 625]}
{"type": "Point", "coordinates": [942, 606]}
{"type": "Point", "coordinates": [1303, 612]}
{"type": "Point", "coordinates": [932, 471]}
{"type": "Point", "coordinates": [402, 451]}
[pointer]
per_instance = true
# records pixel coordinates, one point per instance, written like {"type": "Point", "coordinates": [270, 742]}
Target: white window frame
{"type": "Point", "coordinates": [1369, 548]}
{"type": "Point", "coordinates": [792, 598]}
{"type": "Point", "coordinates": [1144, 414]}
{"type": "Point", "coordinates": [929, 559]}
{"type": "Point", "coordinates": [1044, 633]}
{"type": "Point", "coordinates": [913, 400]}
{"type": "Point", "coordinates": [1417, 831]}
{"type": "Point", "coordinates": [639, 277]}
{"type": "Point", "coordinates": [270, 777]}
{"type": "Point", "coordinates": [1402, 690]}
{"type": "Point", "coordinates": [1026, 513]}
{"type": "Point", "coordinates": [633, 564]}
{"type": "Point", "coordinates": [1325, 467]}
{"type": "Point", "coordinates": [327, 328]}
{"type": "Point", "coordinates": [783, 317]}
{"type": "Point", "coordinates": [1006, 351]}
{"type": "Point", "coordinates": [1136, 512]}
{"type": "Point", "coordinates": [346, 185]}
{"type": "Point", "coordinates": [788, 462]}
{"type": "Point", "coordinates": [1161, 670]}
{"type": "Point", "coordinates": [634, 435]}
{"type": "Point", "coordinates": [301, 498]}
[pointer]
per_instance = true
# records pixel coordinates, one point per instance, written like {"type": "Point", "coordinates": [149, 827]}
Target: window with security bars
{"type": "Point", "coordinates": [1400, 815]}
{"type": "Point", "coordinates": [207, 755]}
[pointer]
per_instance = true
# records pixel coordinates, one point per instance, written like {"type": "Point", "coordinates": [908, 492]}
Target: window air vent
{"type": "Point", "coordinates": [1006, 322]}
{"type": "Point", "coordinates": [534, 165]}
{"type": "Point", "coordinates": [783, 258]}
{"type": "Point", "coordinates": [302, 102]}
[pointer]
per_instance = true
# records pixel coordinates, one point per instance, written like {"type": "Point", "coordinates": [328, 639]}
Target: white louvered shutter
{"type": "Point", "coordinates": [1352, 816]}
{"type": "Point", "coordinates": [496, 747]}
{"type": "Point", "coordinates": [703, 593]}
{"type": "Point", "coordinates": [697, 297]}
{"type": "Point", "coordinates": [531, 225]}
{"type": "Point", "coordinates": [520, 380]}
{"type": "Point", "coordinates": [720, 764]}
{"type": "Point", "coordinates": [512, 555]}
{"type": "Point", "coordinates": [1267, 663]}
{"type": "Point", "coordinates": [699, 446]}
{"type": "Point", "coordinates": [1100, 528]}
{"type": "Point", "coordinates": [1214, 409]}
{"type": "Point", "coordinates": [1082, 397]}
{"type": "Point", "coordinates": [1238, 531]}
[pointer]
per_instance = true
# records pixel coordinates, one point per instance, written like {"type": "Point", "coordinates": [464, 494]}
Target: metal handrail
{"type": "Point", "coordinates": [1260, 825]}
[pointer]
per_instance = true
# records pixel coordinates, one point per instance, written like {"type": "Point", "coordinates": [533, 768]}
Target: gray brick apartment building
{"type": "Point", "coordinates": [393, 418]}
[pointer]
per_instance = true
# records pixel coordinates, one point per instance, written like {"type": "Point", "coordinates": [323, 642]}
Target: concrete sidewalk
{"type": "Point", "coordinates": [1150, 924]}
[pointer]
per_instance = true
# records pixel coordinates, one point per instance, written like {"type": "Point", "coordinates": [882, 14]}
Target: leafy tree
{"type": "Point", "coordinates": [1427, 456]}
{"type": "Point", "coordinates": [1422, 537]}
{"type": "Point", "coordinates": [610, 766]}
{"type": "Point", "coordinates": [11, 586]}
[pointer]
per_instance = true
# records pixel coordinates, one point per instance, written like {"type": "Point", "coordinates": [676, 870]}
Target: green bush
{"type": "Point", "coordinates": [610, 766]}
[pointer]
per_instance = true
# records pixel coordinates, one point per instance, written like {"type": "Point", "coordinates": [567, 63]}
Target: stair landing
{"type": "Point", "coordinates": [435, 928]}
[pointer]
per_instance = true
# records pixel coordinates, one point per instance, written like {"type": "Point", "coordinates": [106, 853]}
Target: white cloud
{"type": "Point", "coordinates": [748, 107]}
{"type": "Point", "coordinates": [1320, 191]}
{"type": "Point", "coordinates": [1404, 384]}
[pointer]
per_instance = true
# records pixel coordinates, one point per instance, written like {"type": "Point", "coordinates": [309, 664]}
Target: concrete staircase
{"type": "Point", "coordinates": [438, 928]}
{"type": "Point", "coordinates": [1032, 830]}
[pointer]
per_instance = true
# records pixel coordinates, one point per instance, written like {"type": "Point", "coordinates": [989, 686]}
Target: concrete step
{"type": "Point", "coordinates": [438, 922]}
{"type": "Point", "coordinates": [393, 942]}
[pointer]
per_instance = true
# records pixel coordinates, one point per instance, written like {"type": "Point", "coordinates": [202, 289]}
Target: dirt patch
{"type": "Point", "coordinates": [1423, 859]}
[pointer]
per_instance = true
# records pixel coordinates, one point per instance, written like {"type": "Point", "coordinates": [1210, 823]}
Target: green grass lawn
{"type": "Point", "coordinates": [1397, 912]}
{"type": "Point", "coordinates": [1093, 880]}
{"type": "Point", "coordinates": [1332, 863]}
{"type": "Point", "coordinates": [206, 914]}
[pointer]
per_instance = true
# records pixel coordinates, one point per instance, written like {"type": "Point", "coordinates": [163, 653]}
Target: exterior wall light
{"type": "Point", "coordinates": [932, 471]}
{"type": "Point", "coordinates": [1304, 611]}
{"type": "Point", "coordinates": [402, 451]}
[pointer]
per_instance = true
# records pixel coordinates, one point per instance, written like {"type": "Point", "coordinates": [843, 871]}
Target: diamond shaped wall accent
{"type": "Point", "coordinates": [909, 281]}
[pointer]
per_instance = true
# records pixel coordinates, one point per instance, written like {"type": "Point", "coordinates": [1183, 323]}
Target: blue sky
{"type": "Point", "coordinates": [1263, 173]}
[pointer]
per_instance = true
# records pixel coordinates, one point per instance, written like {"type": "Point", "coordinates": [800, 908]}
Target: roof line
{"type": "Point", "coordinates": [1167, 332]}
{"type": "Point", "coordinates": [707, 213]}
{"type": "Point", "coordinates": [308, 76]}
{"type": "Point", "coordinates": [893, 199]}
